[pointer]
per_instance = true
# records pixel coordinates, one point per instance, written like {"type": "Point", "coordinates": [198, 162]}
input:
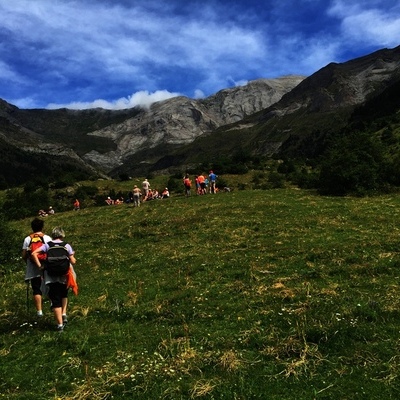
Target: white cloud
{"type": "Point", "coordinates": [23, 103]}
{"type": "Point", "coordinates": [364, 23]}
{"type": "Point", "coordinates": [318, 53]}
{"type": "Point", "coordinates": [71, 51]}
{"type": "Point", "coordinates": [7, 73]}
{"type": "Point", "coordinates": [242, 82]}
{"type": "Point", "coordinates": [199, 94]}
{"type": "Point", "coordinates": [142, 99]}
{"type": "Point", "coordinates": [373, 27]}
{"type": "Point", "coordinates": [71, 41]}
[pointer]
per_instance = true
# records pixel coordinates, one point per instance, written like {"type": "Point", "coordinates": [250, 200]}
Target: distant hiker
{"type": "Point", "coordinates": [187, 183]}
{"type": "Point", "coordinates": [213, 179]}
{"type": "Point", "coordinates": [145, 187]}
{"type": "Point", "coordinates": [165, 194]}
{"type": "Point", "coordinates": [109, 201]}
{"type": "Point", "coordinates": [202, 183]}
{"type": "Point", "coordinates": [42, 213]}
{"type": "Point", "coordinates": [77, 205]}
{"type": "Point", "coordinates": [59, 254]}
{"type": "Point", "coordinates": [149, 195]}
{"type": "Point", "coordinates": [136, 196]}
{"type": "Point", "coordinates": [50, 211]}
{"type": "Point", "coordinates": [34, 274]}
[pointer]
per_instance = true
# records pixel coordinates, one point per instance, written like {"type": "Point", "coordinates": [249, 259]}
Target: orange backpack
{"type": "Point", "coordinates": [37, 241]}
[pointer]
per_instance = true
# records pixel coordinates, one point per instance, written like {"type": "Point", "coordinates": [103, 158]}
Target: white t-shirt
{"type": "Point", "coordinates": [32, 271]}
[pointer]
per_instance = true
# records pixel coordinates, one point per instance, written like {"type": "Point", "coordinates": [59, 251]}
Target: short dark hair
{"type": "Point", "coordinates": [37, 225]}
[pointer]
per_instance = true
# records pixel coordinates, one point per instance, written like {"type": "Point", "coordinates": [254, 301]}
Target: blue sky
{"type": "Point", "coordinates": [121, 53]}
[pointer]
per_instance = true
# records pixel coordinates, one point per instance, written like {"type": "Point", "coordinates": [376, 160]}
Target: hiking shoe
{"type": "Point", "coordinates": [39, 314]}
{"type": "Point", "coordinates": [65, 319]}
{"type": "Point", "coordinates": [60, 328]}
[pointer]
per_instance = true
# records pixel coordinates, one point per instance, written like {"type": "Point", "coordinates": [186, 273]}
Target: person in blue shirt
{"type": "Point", "coordinates": [213, 179]}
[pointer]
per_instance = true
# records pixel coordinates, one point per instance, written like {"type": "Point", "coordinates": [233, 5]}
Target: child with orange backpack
{"type": "Point", "coordinates": [33, 274]}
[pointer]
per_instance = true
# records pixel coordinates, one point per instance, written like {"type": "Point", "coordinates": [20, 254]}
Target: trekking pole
{"type": "Point", "coordinates": [27, 297]}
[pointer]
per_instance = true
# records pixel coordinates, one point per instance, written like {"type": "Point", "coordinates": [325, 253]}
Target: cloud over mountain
{"type": "Point", "coordinates": [112, 53]}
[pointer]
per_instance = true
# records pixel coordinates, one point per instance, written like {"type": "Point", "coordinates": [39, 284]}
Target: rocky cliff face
{"type": "Point", "coordinates": [322, 105]}
{"type": "Point", "coordinates": [342, 85]}
{"type": "Point", "coordinates": [280, 108]}
{"type": "Point", "coordinates": [181, 120]}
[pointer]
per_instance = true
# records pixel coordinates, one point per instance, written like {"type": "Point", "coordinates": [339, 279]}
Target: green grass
{"type": "Point", "coordinates": [246, 295]}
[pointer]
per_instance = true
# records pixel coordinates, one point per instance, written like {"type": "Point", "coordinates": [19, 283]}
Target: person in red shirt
{"type": "Point", "coordinates": [165, 194]}
{"type": "Point", "coordinates": [188, 185]}
{"type": "Point", "coordinates": [202, 184]}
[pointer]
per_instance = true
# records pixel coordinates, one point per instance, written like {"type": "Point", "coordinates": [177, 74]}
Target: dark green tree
{"type": "Point", "coordinates": [10, 254]}
{"type": "Point", "coordinates": [352, 166]}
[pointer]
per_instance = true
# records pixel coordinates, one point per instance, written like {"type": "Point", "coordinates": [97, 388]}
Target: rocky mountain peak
{"type": "Point", "coordinates": [181, 120]}
{"type": "Point", "coordinates": [258, 117]}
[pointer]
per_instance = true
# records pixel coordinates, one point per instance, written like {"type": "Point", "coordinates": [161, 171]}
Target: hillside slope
{"type": "Point", "coordinates": [103, 139]}
{"type": "Point", "coordinates": [278, 294]}
{"type": "Point", "coordinates": [286, 117]}
{"type": "Point", "coordinates": [298, 125]}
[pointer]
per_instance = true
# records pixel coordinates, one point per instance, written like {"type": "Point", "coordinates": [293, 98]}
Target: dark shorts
{"type": "Point", "coordinates": [36, 284]}
{"type": "Point", "coordinates": [57, 292]}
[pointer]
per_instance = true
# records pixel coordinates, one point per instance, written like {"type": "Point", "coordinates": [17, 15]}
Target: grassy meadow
{"type": "Point", "coordinates": [255, 294]}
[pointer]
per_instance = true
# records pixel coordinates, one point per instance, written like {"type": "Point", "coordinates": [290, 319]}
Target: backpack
{"type": "Point", "coordinates": [36, 242]}
{"type": "Point", "coordinates": [57, 263]}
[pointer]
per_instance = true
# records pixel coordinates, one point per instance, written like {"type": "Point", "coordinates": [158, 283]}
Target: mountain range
{"type": "Point", "coordinates": [290, 116]}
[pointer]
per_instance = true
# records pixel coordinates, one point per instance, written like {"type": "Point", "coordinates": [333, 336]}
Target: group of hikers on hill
{"type": "Point", "coordinates": [50, 211]}
{"type": "Point", "coordinates": [50, 260]}
{"type": "Point", "coordinates": [49, 270]}
{"type": "Point", "coordinates": [137, 196]}
{"type": "Point", "coordinates": [203, 184]}
{"type": "Point", "coordinates": [43, 213]}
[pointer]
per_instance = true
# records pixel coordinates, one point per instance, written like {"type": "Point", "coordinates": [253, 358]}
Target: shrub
{"type": "Point", "coordinates": [304, 178]}
{"type": "Point", "coordinates": [276, 180]}
{"type": "Point", "coordinates": [352, 166]}
{"type": "Point", "coordinates": [174, 184]}
{"type": "Point", "coordinates": [221, 183]}
{"type": "Point", "coordinates": [123, 177]}
{"type": "Point", "coordinates": [63, 183]}
{"type": "Point", "coordinates": [258, 177]}
{"type": "Point", "coordinates": [84, 192]}
{"type": "Point", "coordinates": [11, 245]}
{"type": "Point", "coordinates": [18, 205]}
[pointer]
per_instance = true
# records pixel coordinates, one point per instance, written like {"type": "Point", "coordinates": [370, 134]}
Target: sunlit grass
{"type": "Point", "coordinates": [252, 294]}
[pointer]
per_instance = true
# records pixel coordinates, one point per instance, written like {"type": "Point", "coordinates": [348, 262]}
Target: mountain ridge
{"type": "Point", "coordinates": [266, 117]}
{"type": "Point", "coordinates": [103, 139]}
